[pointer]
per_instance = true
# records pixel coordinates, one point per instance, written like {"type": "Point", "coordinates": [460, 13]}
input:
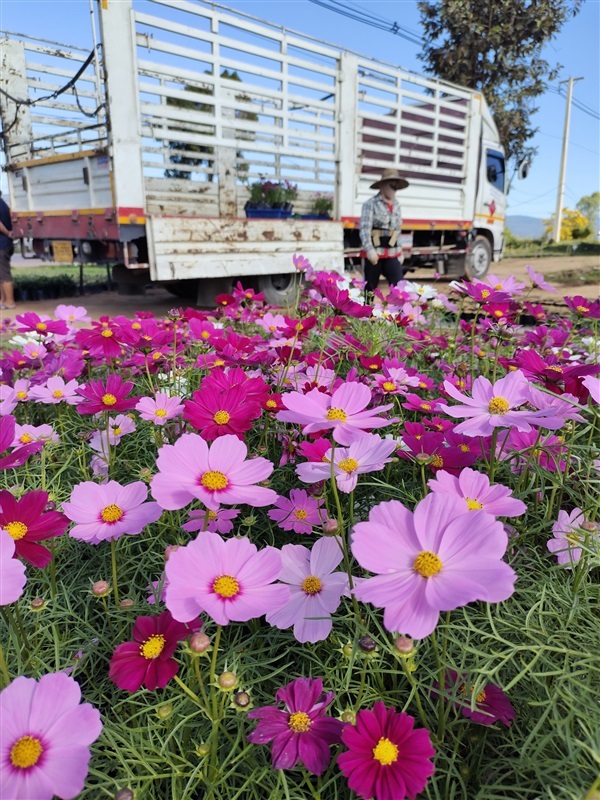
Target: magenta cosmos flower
{"type": "Point", "coordinates": [232, 581]}
{"type": "Point", "coordinates": [45, 738]}
{"type": "Point", "coordinates": [299, 514]}
{"type": "Point", "coordinates": [159, 409]}
{"type": "Point", "coordinates": [437, 559]}
{"type": "Point", "coordinates": [387, 759]}
{"type": "Point", "coordinates": [12, 571]}
{"type": "Point", "coordinates": [30, 321]}
{"type": "Point", "coordinates": [109, 511]}
{"type": "Point", "coordinates": [191, 470]}
{"type": "Point", "coordinates": [345, 412]}
{"type": "Point", "coordinates": [488, 706]}
{"type": "Point", "coordinates": [106, 396]}
{"type": "Point", "coordinates": [28, 525]}
{"type": "Point", "coordinates": [301, 731]}
{"type": "Point", "coordinates": [148, 660]}
{"type": "Point", "coordinates": [19, 456]}
{"type": "Point", "coordinates": [492, 407]}
{"type": "Point", "coordinates": [315, 589]}
{"type": "Point", "coordinates": [571, 530]}
{"type": "Point", "coordinates": [370, 453]}
{"type": "Point", "coordinates": [217, 413]}
{"type": "Point", "coordinates": [478, 494]}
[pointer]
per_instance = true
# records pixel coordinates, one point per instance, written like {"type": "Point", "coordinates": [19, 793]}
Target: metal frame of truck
{"type": "Point", "coordinates": [144, 161]}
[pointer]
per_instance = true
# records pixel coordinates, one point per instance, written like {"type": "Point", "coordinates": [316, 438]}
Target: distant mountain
{"type": "Point", "coordinates": [525, 227]}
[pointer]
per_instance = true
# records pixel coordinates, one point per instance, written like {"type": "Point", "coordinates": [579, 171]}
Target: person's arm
{"type": "Point", "coordinates": [5, 231]}
{"type": "Point", "coordinates": [366, 226]}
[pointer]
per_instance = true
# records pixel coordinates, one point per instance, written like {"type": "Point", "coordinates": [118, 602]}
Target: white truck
{"type": "Point", "coordinates": [140, 154]}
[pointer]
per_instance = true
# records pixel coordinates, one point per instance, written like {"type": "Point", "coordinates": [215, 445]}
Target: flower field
{"type": "Point", "coordinates": [329, 552]}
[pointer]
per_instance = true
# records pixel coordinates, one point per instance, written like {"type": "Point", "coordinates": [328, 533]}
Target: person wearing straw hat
{"type": "Point", "coordinates": [380, 225]}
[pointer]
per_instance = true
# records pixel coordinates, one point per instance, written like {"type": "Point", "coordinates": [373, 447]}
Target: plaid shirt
{"type": "Point", "coordinates": [376, 215]}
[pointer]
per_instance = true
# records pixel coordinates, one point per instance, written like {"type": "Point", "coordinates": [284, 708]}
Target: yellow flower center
{"type": "Point", "coordinates": [301, 514]}
{"type": "Point", "coordinates": [26, 752]}
{"type": "Point", "coordinates": [205, 335]}
{"type": "Point", "coordinates": [107, 333]}
{"type": "Point", "coordinates": [34, 353]}
{"type": "Point", "coordinates": [465, 448]}
{"type": "Point", "coordinates": [136, 326]}
{"type": "Point", "coordinates": [473, 505]}
{"type": "Point", "coordinates": [226, 586]}
{"type": "Point", "coordinates": [153, 646]}
{"type": "Point", "coordinates": [212, 515]}
{"type": "Point", "coordinates": [426, 406]}
{"type": "Point", "coordinates": [427, 564]}
{"type": "Point", "coordinates": [385, 752]}
{"type": "Point", "coordinates": [485, 293]}
{"type": "Point", "coordinates": [22, 395]}
{"type": "Point", "coordinates": [214, 481]}
{"type": "Point", "coordinates": [388, 386]}
{"type": "Point", "coordinates": [156, 356]}
{"type": "Point", "coordinates": [109, 399]}
{"type": "Point", "coordinates": [337, 413]}
{"type": "Point", "coordinates": [111, 513]}
{"type": "Point", "coordinates": [498, 405]}
{"type": "Point", "coordinates": [41, 326]}
{"type": "Point", "coordinates": [299, 722]}
{"type": "Point", "coordinates": [26, 438]}
{"type": "Point", "coordinates": [16, 529]}
{"type": "Point", "coordinates": [348, 464]}
{"type": "Point", "coordinates": [160, 412]}
{"type": "Point", "coordinates": [481, 697]}
{"type": "Point", "coordinates": [573, 539]}
{"type": "Point", "coordinates": [555, 368]}
{"type": "Point", "coordinates": [373, 366]}
{"type": "Point", "coordinates": [437, 462]}
{"type": "Point", "coordinates": [219, 362]}
{"type": "Point", "coordinates": [57, 393]}
{"type": "Point", "coordinates": [271, 404]}
{"type": "Point", "coordinates": [582, 309]}
{"type": "Point", "coordinates": [222, 417]}
{"type": "Point", "coordinates": [312, 585]}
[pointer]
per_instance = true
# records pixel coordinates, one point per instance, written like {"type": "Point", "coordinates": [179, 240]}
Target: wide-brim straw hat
{"type": "Point", "coordinates": [391, 176]}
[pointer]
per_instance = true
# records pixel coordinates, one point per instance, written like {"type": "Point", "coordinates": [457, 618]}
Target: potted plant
{"type": "Point", "coordinates": [271, 199]}
{"type": "Point", "coordinates": [321, 208]}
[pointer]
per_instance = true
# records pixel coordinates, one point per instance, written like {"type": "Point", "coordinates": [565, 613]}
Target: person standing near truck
{"type": "Point", "coordinates": [7, 299]}
{"type": "Point", "coordinates": [380, 226]}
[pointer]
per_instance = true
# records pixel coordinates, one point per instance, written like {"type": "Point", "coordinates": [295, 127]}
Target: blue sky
{"type": "Point", "coordinates": [576, 48]}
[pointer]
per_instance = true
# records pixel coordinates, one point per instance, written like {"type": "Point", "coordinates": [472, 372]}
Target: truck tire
{"type": "Point", "coordinates": [279, 290]}
{"type": "Point", "coordinates": [480, 259]}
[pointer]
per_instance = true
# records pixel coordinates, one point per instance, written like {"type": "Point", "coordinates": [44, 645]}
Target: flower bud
{"type": "Point", "coordinates": [589, 527]}
{"type": "Point", "coordinates": [349, 717]}
{"type": "Point", "coordinates": [404, 645]}
{"type": "Point", "coordinates": [38, 604]}
{"type": "Point", "coordinates": [164, 711]}
{"type": "Point", "coordinates": [50, 506]}
{"type": "Point", "coordinates": [347, 650]}
{"type": "Point", "coordinates": [241, 699]}
{"type": "Point", "coordinates": [422, 458]}
{"type": "Point", "coordinates": [330, 526]}
{"type": "Point", "coordinates": [203, 750]}
{"type": "Point", "coordinates": [249, 520]}
{"type": "Point", "coordinates": [366, 644]}
{"type": "Point", "coordinates": [100, 589]}
{"type": "Point", "coordinates": [199, 642]}
{"type": "Point", "coordinates": [170, 549]}
{"type": "Point", "coordinates": [126, 603]}
{"type": "Point", "coordinates": [227, 680]}
{"type": "Point", "coordinates": [124, 794]}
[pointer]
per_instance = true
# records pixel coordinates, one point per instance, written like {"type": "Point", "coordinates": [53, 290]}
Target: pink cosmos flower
{"type": "Point", "coordinates": [35, 351]}
{"type": "Point", "coordinates": [387, 759]}
{"type": "Point", "coordinates": [217, 413]}
{"type": "Point", "coordinates": [148, 660]}
{"type": "Point", "coordinates": [230, 580]}
{"type": "Point", "coordinates": [477, 493]}
{"type": "Point", "coordinates": [45, 738]}
{"type": "Point", "coordinates": [7, 436]}
{"type": "Point", "coordinates": [492, 406]}
{"type": "Point", "coordinates": [12, 571]}
{"type": "Point", "coordinates": [220, 521]}
{"type": "Point", "coordinates": [30, 321]}
{"type": "Point", "coordinates": [28, 524]}
{"type": "Point", "coordinates": [435, 559]}
{"type": "Point", "coordinates": [26, 434]}
{"type": "Point", "coordinates": [491, 704]}
{"type": "Point", "coordinates": [370, 453]}
{"type": "Point", "coordinates": [55, 390]}
{"type": "Point", "coordinates": [345, 412]}
{"type": "Point", "coordinates": [510, 285]}
{"type": "Point", "coordinates": [110, 396]}
{"type": "Point", "coordinates": [21, 387]}
{"type": "Point", "coordinates": [571, 530]}
{"type": "Point", "coordinates": [538, 280]}
{"type": "Point", "coordinates": [109, 511]}
{"type": "Point", "coordinates": [315, 589]}
{"type": "Point", "coordinates": [592, 384]}
{"type": "Point", "coordinates": [8, 400]}
{"type": "Point", "coordinates": [395, 380]}
{"type": "Point", "coordinates": [71, 313]}
{"type": "Point", "coordinates": [299, 514]}
{"type": "Point", "coordinates": [159, 409]}
{"type": "Point", "coordinates": [301, 731]}
{"type": "Point", "coordinates": [190, 469]}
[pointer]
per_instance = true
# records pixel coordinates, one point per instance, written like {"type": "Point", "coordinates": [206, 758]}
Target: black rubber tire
{"type": "Point", "coordinates": [279, 290]}
{"type": "Point", "coordinates": [479, 260]}
{"type": "Point", "coordinates": [186, 290]}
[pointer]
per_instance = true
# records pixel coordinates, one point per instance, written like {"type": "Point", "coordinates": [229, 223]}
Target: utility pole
{"type": "Point", "coordinates": [563, 161]}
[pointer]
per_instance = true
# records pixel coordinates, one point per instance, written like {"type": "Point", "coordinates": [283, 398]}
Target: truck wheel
{"type": "Point", "coordinates": [477, 266]}
{"type": "Point", "coordinates": [279, 290]}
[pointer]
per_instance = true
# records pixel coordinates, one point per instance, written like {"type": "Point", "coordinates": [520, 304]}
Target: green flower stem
{"type": "Point", "coordinates": [415, 692]}
{"type": "Point", "coordinates": [191, 694]}
{"type": "Point", "coordinates": [113, 561]}
{"type": "Point", "coordinates": [493, 454]}
{"type": "Point", "coordinates": [196, 661]}
{"type": "Point", "coordinates": [4, 668]}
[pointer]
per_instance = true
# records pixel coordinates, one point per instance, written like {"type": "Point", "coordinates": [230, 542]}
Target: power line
{"type": "Point", "coordinates": [366, 19]}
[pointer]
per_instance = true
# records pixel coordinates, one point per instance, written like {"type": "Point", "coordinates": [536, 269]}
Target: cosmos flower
{"type": "Point", "coordinates": [7, 436]}
{"type": "Point", "coordinates": [71, 313]}
{"type": "Point", "coordinates": [220, 521]}
{"type": "Point", "coordinates": [315, 589]}
{"type": "Point", "coordinates": [230, 580]}
{"type": "Point", "coordinates": [301, 731]}
{"type": "Point", "coordinates": [30, 321]}
{"type": "Point", "coordinates": [8, 400]}
{"type": "Point", "coordinates": [436, 559]}
{"type": "Point", "coordinates": [45, 738]}
{"type": "Point", "coordinates": [387, 759]}
{"type": "Point", "coordinates": [28, 525]}
{"type": "Point", "coordinates": [300, 513]}
{"type": "Point", "coordinates": [571, 530]}
{"type": "Point", "coordinates": [106, 396]}
{"type": "Point", "coordinates": [159, 409]}
{"type": "Point", "coordinates": [538, 280]}
{"type": "Point", "coordinates": [190, 469]}
{"type": "Point", "coordinates": [109, 511]}
{"type": "Point", "coordinates": [491, 704]}
{"type": "Point", "coordinates": [216, 413]}
{"type": "Point", "coordinates": [55, 390]}
{"type": "Point", "coordinates": [12, 571]}
{"type": "Point", "coordinates": [148, 660]}
{"type": "Point", "coordinates": [475, 490]}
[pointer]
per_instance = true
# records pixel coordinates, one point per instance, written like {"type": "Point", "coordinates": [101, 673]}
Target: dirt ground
{"type": "Point", "coordinates": [159, 300]}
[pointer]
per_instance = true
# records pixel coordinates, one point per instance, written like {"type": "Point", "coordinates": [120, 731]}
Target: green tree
{"type": "Point", "coordinates": [495, 46]}
{"type": "Point", "coordinates": [589, 205]}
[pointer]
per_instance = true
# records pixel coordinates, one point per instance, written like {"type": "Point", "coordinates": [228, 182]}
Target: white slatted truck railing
{"type": "Point", "coordinates": [146, 159]}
